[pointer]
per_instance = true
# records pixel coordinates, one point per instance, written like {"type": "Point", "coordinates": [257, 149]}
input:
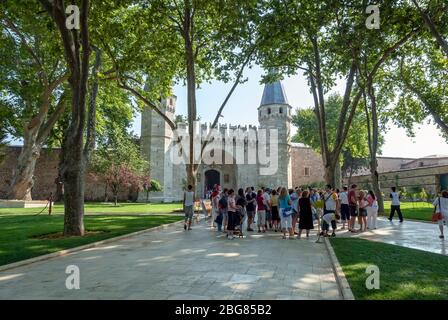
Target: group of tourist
{"type": "Point", "coordinates": [294, 211]}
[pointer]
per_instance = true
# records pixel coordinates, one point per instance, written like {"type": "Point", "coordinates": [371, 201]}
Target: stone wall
{"type": "Point", "coordinates": [45, 174]}
{"type": "Point", "coordinates": [428, 178]}
{"type": "Point", "coordinates": [304, 157]}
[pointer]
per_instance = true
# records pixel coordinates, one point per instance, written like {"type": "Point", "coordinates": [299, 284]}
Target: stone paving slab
{"type": "Point", "coordinates": [175, 264]}
{"type": "Point", "coordinates": [411, 234]}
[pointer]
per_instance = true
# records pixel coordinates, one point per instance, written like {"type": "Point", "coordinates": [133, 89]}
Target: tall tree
{"type": "Point", "coordinates": [323, 40]}
{"type": "Point", "coordinates": [77, 51]}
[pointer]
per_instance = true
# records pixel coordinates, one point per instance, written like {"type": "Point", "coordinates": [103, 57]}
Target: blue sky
{"type": "Point", "coordinates": [242, 109]}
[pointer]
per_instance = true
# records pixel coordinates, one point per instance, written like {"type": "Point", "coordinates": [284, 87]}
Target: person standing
{"type": "Point", "coordinates": [224, 205]}
{"type": "Point", "coordinates": [250, 208]}
{"type": "Point", "coordinates": [241, 204]}
{"type": "Point", "coordinates": [261, 212]}
{"type": "Point", "coordinates": [305, 214]}
{"type": "Point", "coordinates": [352, 207]}
{"type": "Point", "coordinates": [231, 214]}
{"type": "Point", "coordinates": [284, 201]}
{"type": "Point", "coordinates": [362, 214]}
{"type": "Point", "coordinates": [345, 211]}
{"type": "Point", "coordinates": [395, 206]}
{"type": "Point", "coordinates": [441, 206]}
{"type": "Point", "coordinates": [188, 206]}
{"type": "Point", "coordinates": [372, 210]}
{"type": "Point", "coordinates": [267, 201]}
{"type": "Point", "coordinates": [295, 208]}
{"type": "Point", "coordinates": [329, 217]}
{"type": "Point", "coordinates": [274, 210]}
{"type": "Point", "coordinates": [214, 199]}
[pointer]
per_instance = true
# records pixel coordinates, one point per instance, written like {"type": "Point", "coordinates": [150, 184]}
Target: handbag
{"type": "Point", "coordinates": [437, 216]}
{"type": "Point", "coordinates": [286, 212]}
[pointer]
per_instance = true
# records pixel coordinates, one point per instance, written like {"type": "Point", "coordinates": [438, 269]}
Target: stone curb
{"type": "Point", "coordinates": [344, 287]}
{"type": "Point", "coordinates": [66, 252]}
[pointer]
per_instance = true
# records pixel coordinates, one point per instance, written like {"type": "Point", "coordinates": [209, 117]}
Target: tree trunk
{"type": "Point", "coordinates": [22, 181]}
{"type": "Point", "coordinates": [191, 167]}
{"type": "Point", "coordinates": [116, 199]}
{"type": "Point", "coordinates": [376, 186]}
{"type": "Point", "coordinates": [74, 169]}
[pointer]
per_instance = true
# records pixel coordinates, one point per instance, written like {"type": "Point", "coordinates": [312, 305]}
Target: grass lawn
{"type": "Point", "coordinates": [404, 273]}
{"type": "Point", "coordinates": [109, 208]}
{"type": "Point", "coordinates": [412, 210]}
{"type": "Point", "coordinates": [17, 232]}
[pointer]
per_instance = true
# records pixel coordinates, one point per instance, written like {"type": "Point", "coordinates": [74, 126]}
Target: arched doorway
{"type": "Point", "coordinates": [212, 177]}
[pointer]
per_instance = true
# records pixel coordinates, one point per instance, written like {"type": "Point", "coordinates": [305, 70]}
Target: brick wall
{"type": "Point", "coordinates": [304, 157]}
{"type": "Point", "coordinates": [45, 175]}
{"type": "Point", "coordinates": [428, 178]}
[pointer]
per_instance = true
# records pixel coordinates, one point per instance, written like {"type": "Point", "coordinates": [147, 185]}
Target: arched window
{"type": "Point", "coordinates": [269, 110]}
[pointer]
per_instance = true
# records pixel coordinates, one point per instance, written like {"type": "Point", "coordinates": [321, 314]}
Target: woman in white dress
{"type": "Point", "coordinates": [441, 205]}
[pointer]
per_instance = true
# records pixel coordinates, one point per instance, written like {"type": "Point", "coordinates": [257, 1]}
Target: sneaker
{"type": "Point", "coordinates": [333, 235]}
{"type": "Point", "coordinates": [189, 228]}
{"type": "Point", "coordinates": [441, 237]}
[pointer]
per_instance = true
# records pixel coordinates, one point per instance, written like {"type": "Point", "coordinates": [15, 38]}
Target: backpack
{"type": "Point", "coordinates": [223, 203]}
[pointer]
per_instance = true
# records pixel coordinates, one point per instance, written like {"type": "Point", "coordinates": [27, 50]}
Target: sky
{"type": "Point", "coordinates": [242, 109]}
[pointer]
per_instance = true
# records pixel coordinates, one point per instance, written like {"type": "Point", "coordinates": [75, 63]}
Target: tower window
{"type": "Point", "coordinates": [280, 110]}
{"type": "Point", "coordinates": [269, 110]}
{"type": "Point", "coordinates": [307, 171]}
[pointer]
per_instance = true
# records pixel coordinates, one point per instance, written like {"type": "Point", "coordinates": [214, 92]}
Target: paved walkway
{"type": "Point", "coordinates": [174, 264]}
{"type": "Point", "coordinates": [411, 234]}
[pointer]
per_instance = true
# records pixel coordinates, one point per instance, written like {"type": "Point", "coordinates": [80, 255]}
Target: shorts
{"type": "Point", "coordinates": [345, 212]}
{"type": "Point", "coordinates": [327, 219]}
{"type": "Point", "coordinates": [444, 220]}
{"type": "Point", "coordinates": [250, 214]}
{"type": "Point", "coordinates": [261, 218]}
{"type": "Point", "coordinates": [188, 213]}
{"type": "Point", "coordinates": [362, 212]}
{"type": "Point", "coordinates": [353, 211]}
{"type": "Point", "coordinates": [268, 215]}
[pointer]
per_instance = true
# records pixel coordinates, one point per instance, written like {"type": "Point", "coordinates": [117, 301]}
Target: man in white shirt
{"type": "Point", "coordinates": [441, 206]}
{"type": "Point", "coordinates": [345, 212]}
{"type": "Point", "coordinates": [267, 203]}
{"type": "Point", "coordinates": [395, 206]}
{"type": "Point", "coordinates": [188, 207]}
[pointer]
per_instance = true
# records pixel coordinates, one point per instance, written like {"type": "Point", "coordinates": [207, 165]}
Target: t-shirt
{"type": "Point", "coordinates": [343, 196]}
{"type": "Point", "coordinates": [250, 205]}
{"type": "Point", "coordinates": [330, 201]}
{"type": "Point", "coordinates": [267, 199]}
{"type": "Point", "coordinates": [443, 205]}
{"type": "Point", "coordinates": [395, 198]}
{"type": "Point", "coordinates": [274, 200]}
{"type": "Point", "coordinates": [241, 201]}
{"type": "Point", "coordinates": [260, 203]}
{"type": "Point", "coordinates": [352, 198]}
{"type": "Point", "coordinates": [189, 198]}
{"type": "Point", "coordinates": [231, 204]}
{"type": "Point", "coordinates": [284, 202]}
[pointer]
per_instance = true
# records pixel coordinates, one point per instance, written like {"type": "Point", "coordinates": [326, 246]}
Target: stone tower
{"type": "Point", "coordinates": [274, 112]}
{"type": "Point", "coordinates": [156, 136]}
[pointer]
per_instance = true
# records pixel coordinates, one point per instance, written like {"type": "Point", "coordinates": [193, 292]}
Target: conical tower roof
{"type": "Point", "coordinates": [274, 93]}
